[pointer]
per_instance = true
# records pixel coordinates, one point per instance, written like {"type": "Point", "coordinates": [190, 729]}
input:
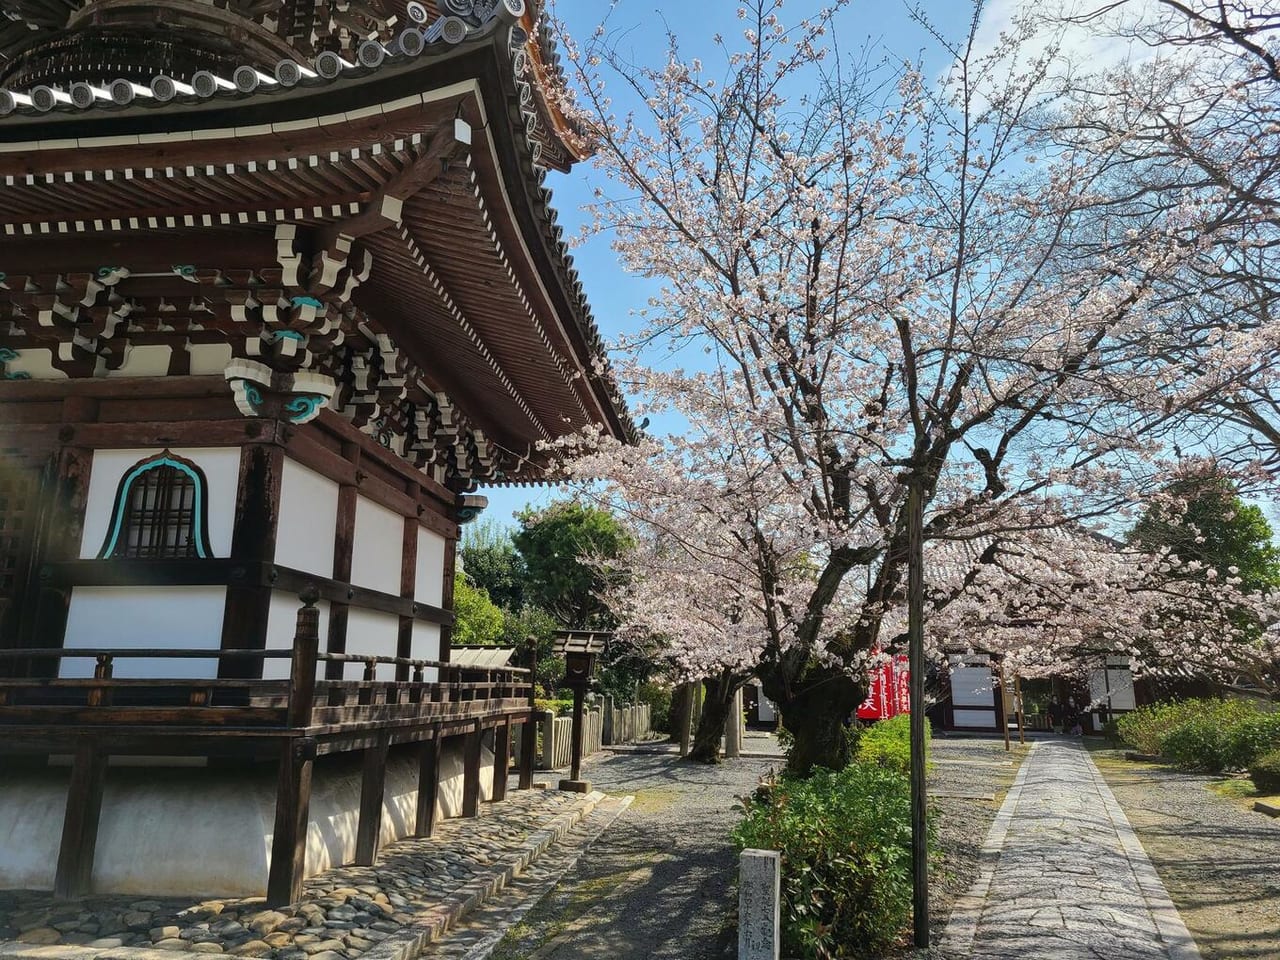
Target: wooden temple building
{"type": "Point", "coordinates": [280, 286]}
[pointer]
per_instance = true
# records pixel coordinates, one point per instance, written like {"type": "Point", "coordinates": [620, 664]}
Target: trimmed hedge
{"type": "Point", "coordinates": [1265, 773]}
{"type": "Point", "coordinates": [1211, 734]}
{"type": "Point", "coordinates": [845, 839]}
{"type": "Point", "coordinates": [887, 743]}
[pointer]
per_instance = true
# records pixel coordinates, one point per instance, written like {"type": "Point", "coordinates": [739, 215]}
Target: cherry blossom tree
{"type": "Point", "coordinates": [878, 283]}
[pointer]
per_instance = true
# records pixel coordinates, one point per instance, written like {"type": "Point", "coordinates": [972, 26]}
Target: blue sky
{"type": "Point", "coordinates": [639, 28]}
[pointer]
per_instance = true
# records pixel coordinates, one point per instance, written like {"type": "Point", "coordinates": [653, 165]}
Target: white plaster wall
{"type": "Point", "coordinates": [1118, 682]}
{"type": "Point", "coordinates": [221, 466]}
{"type": "Point", "coordinates": [308, 520]}
{"type": "Point", "coordinates": [426, 641]}
{"type": "Point", "coordinates": [377, 552]}
{"type": "Point", "coordinates": [201, 833]}
{"type": "Point", "coordinates": [184, 618]}
{"type": "Point", "coordinates": [429, 573]}
{"type": "Point", "coordinates": [971, 687]}
{"type": "Point", "coordinates": [984, 719]}
{"type": "Point", "coordinates": [282, 624]}
{"type": "Point", "coordinates": [372, 632]}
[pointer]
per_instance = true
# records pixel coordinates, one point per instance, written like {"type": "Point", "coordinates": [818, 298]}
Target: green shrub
{"type": "Point", "coordinates": [1250, 738]}
{"type": "Point", "coordinates": [561, 708]}
{"type": "Point", "coordinates": [887, 743]}
{"type": "Point", "coordinates": [1265, 773]}
{"type": "Point", "coordinates": [1144, 728]}
{"type": "Point", "coordinates": [845, 840]}
{"type": "Point", "coordinates": [1202, 746]}
{"type": "Point", "coordinates": [1204, 741]}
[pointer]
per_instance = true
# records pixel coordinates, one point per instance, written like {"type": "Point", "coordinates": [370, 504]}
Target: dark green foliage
{"type": "Point", "coordinates": [566, 550]}
{"type": "Point", "coordinates": [1265, 773]}
{"type": "Point", "coordinates": [1205, 734]}
{"type": "Point", "coordinates": [1216, 528]}
{"type": "Point", "coordinates": [887, 743]}
{"type": "Point", "coordinates": [479, 621]}
{"type": "Point", "coordinates": [658, 697]}
{"type": "Point", "coordinates": [845, 840]}
{"type": "Point", "coordinates": [1252, 738]}
{"type": "Point", "coordinates": [533, 622]}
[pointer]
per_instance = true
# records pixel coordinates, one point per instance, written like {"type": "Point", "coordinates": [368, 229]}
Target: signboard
{"type": "Point", "coordinates": [890, 691]}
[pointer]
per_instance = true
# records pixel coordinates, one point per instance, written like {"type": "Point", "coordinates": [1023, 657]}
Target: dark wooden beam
{"type": "Point", "coordinates": [343, 545]}
{"type": "Point", "coordinates": [293, 811]}
{"type": "Point", "coordinates": [472, 744]}
{"type": "Point", "coordinates": [428, 784]}
{"type": "Point", "coordinates": [408, 583]}
{"type": "Point", "coordinates": [372, 785]}
{"type": "Point", "coordinates": [80, 822]}
{"type": "Point", "coordinates": [501, 759]}
{"type": "Point", "coordinates": [253, 538]}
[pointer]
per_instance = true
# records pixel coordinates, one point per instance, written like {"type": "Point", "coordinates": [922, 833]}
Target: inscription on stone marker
{"type": "Point", "coordinates": [759, 905]}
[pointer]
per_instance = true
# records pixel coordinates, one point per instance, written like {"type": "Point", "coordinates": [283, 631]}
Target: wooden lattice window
{"type": "Point", "coordinates": [160, 512]}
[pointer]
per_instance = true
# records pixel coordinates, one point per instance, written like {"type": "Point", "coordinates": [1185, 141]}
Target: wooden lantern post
{"type": "Point", "coordinates": [580, 649]}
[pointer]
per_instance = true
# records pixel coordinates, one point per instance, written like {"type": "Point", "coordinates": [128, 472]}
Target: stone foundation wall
{"type": "Point", "coordinates": [206, 832]}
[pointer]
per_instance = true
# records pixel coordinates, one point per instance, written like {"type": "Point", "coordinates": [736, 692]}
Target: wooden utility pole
{"type": "Point", "coordinates": [915, 650]}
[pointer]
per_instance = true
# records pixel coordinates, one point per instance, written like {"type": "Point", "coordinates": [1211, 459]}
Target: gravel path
{"type": "Point", "coordinates": [660, 883]}
{"type": "Point", "coordinates": [1219, 861]}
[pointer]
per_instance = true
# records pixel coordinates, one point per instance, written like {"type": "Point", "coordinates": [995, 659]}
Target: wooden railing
{"type": "Point", "coordinates": [437, 691]}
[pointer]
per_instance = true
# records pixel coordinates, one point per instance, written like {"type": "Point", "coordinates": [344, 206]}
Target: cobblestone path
{"type": "Point", "coordinates": [1063, 876]}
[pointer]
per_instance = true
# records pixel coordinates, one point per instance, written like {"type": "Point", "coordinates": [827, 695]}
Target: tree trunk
{"type": "Point", "coordinates": [717, 701]}
{"type": "Point", "coordinates": [818, 717]}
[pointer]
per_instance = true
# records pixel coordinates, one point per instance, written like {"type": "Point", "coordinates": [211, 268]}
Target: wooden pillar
{"type": "Point", "coordinates": [372, 785]}
{"type": "Point", "coordinates": [343, 543]}
{"type": "Point", "coordinates": [408, 582]}
{"type": "Point", "coordinates": [471, 772]}
{"type": "Point", "coordinates": [575, 739]}
{"type": "Point", "coordinates": [80, 822]}
{"type": "Point", "coordinates": [501, 759]}
{"type": "Point", "coordinates": [428, 784]}
{"type": "Point", "coordinates": [529, 743]}
{"type": "Point", "coordinates": [58, 538]}
{"type": "Point", "coordinates": [1017, 702]}
{"type": "Point", "coordinates": [1001, 713]}
{"type": "Point", "coordinates": [446, 601]}
{"type": "Point", "coordinates": [293, 806]}
{"type": "Point", "coordinates": [253, 540]}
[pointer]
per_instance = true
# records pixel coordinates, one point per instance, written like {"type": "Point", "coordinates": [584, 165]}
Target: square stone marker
{"type": "Point", "coordinates": [760, 905]}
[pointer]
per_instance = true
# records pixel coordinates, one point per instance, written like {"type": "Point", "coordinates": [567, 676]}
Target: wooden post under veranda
{"type": "Point", "coordinates": [297, 757]}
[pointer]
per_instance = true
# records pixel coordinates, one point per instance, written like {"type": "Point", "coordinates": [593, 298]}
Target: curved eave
{"type": "Point", "coordinates": [348, 111]}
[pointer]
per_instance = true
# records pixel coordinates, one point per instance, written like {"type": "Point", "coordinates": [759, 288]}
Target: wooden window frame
{"type": "Point", "coordinates": [199, 524]}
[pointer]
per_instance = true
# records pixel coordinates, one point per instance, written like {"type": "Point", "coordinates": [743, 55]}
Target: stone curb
{"type": "Point", "coordinates": [962, 926]}
{"type": "Point", "coordinates": [484, 949]}
{"type": "Point", "coordinates": [428, 925]}
{"type": "Point", "coordinates": [432, 923]}
{"type": "Point", "coordinates": [1270, 809]}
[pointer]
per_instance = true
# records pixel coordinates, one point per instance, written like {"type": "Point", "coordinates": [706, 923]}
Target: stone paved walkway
{"type": "Point", "coordinates": [1063, 875]}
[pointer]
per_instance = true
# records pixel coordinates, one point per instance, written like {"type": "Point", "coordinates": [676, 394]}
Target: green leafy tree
{"type": "Point", "coordinates": [492, 563]}
{"type": "Point", "coordinates": [479, 619]}
{"type": "Point", "coordinates": [569, 551]}
{"type": "Point", "coordinates": [1201, 518]}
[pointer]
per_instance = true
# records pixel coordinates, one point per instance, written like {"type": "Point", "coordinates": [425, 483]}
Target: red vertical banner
{"type": "Point", "coordinates": [880, 695]}
{"type": "Point", "coordinates": [901, 684]}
